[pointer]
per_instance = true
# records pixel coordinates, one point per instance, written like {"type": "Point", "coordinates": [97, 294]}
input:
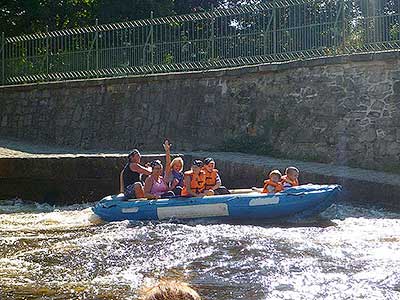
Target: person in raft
{"type": "Point", "coordinates": [155, 187]}
{"type": "Point", "coordinates": [130, 178]}
{"type": "Point", "coordinates": [195, 181]}
{"type": "Point", "coordinates": [291, 177]}
{"type": "Point", "coordinates": [174, 173]}
{"type": "Point", "coordinates": [273, 184]}
{"type": "Point", "coordinates": [213, 181]}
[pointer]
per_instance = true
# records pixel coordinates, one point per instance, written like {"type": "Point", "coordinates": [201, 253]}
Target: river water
{"type": "Point", "coordinates": [56, 253]}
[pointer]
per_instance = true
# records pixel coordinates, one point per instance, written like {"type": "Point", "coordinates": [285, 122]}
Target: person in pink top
{"type": "Point", "coordinates": [155, 187]}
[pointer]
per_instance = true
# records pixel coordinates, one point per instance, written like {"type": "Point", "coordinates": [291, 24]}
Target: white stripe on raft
{"type": "Point", "coordinates": [264, 201]}
{"type": "Point", "coordinates": [128, 210]}
{"type": "Point", "coordinates": [193, 211]}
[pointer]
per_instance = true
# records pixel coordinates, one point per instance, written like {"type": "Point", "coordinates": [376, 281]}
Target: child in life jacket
{"type": "Point", "coordinates": [273, 184]}
{"type": "Point", "coordinates": [291, 177]}
{"type": "Point", "coordinates": [195, 181]}
{"type": "Point", "coordinates": [213, 180]}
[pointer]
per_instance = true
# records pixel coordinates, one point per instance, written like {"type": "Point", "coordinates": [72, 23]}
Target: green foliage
{"type": "Point", "coordinates": [111, 11]}
{"type": "Point", "coordinates": [312, 157]}
{"type": "Point", "coordinates": [391, 168]}
{"type": "Point", "coordinates": [394, 32]}
{"type": "Point", "coordinates": [261, 146]}
{"type": "Point", "coordinates": [168, 58]}
{"type": "Point", "coordinates": [356, 38]}
{"type": "Point", "coordinates": [187, 6]}
{"type": "Point", "coordinates": [249, 144]}
{"type": "Point", "coordinates": [21, 17]}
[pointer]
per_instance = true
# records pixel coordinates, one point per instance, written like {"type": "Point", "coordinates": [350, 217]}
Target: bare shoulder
{"type": "Point", "coordinates": [148, 179]}
{"type": "Point", "coordinates": [133, 166]}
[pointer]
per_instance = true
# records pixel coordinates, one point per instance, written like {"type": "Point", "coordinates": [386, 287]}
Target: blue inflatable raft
{"type": "Point", "coordinates": [295, 203]}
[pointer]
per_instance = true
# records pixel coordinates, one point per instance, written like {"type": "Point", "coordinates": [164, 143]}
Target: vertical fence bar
{"type": "Point", "coordinates": [152, 41]}
{"type": "Point", "coordinates": [3, 59]}
{"type": "Point", "coordinates": [367, 21]}
{"type": "Point", "coordinates": [212, 34]}
{"type": "Point", "coordinates": [47, 50]}
{"type": "Point", "coordinates": [97, 47]}
{"type": "Point", "coordinates": [343, 25]}
{"type": "Point", "coordinates": [274, 38]}
{"type": "Point", "coordinates": [338, 25]}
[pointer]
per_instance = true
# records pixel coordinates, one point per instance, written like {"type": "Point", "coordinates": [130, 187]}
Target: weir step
{"type": "Point", "coordinates": [78, 178]}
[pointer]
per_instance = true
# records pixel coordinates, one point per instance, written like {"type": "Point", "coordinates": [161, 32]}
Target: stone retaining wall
{"type": "Point", "coordinates": [344, 110]}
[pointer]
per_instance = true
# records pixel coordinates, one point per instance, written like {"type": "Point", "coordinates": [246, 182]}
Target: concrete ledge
{"type": "Point", "coordinates": [63, 179]}
{"type": "Point", "coordinates": [67, 179]}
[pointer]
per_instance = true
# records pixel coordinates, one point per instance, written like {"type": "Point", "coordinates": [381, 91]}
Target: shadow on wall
{"type": "Point", "coordinates": [63, 180]}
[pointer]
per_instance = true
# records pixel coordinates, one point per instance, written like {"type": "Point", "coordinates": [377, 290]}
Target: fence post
{"type": "Point", "coordinates": [367, 23]}
{"type": "Point", "coordinates": [97, 47]}
{"type": "Point", "coordinates": [274, 28]}
{"type": "Point", "coordinates": [47, 50]}
{"type": "Point", "coordinates": [343, 26]}
{"type": "Point", "coordinates": [3, 59]}
{"type": "Point", "coordinates": [212, 34]}
{"type": "Point", "coordinates": [152, 42]}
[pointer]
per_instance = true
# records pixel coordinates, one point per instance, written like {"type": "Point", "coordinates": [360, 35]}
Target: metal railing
{"type": "Point", "coordinates": [279, 30]}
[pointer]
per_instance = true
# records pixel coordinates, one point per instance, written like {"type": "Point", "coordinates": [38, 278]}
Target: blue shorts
{"type": "Point", "coordinates": [129, 191]}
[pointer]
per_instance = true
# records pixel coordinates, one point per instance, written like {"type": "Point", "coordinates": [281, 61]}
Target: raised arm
{"type": "Point", "coordinates": [256, 189]}
{"type": "Point", "coordinates": [121, 182]}
{"type": "Point", "coordinates": [167, 147]}
{"type": "Point", "coordinates": [135, 167]}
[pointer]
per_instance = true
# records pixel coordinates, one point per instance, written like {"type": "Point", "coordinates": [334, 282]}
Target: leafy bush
{"type": "Point", "coordinates": [249, 144]}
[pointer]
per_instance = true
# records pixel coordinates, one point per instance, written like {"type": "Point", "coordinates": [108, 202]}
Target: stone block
{"type": "Point", "coordinates": [394, 75]}
{"type": "Point", "coordinates": [396, 88]}
{"type": "Point", "coordinates": [368, 135]}
{"type": "Point", "coordinates": [387, 56]}
{"type": "Point", "coordinates": [241, 71]}
{"type": "Point", "coordinates": [4, 121]}
{"type": "Point", "coordinates": [393, 149]}
{"type": "Point", "coordinates": [360, 57]}
{"type": "Point", "coordinates": [374, 115]}
{"type": "Point", "coordinates": [378, 105]}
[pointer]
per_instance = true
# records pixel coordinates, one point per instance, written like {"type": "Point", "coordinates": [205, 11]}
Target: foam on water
{"type": "Point", "coordinates": [58, 254]}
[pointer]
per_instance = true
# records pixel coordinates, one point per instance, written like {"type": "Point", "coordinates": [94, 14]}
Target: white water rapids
{"type": "Point", "coordinates": [56, 253]}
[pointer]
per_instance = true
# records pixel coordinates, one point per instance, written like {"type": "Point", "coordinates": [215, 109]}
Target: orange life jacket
{"type": "Point", "coordinates": [197, 183]}
{"type": "Point", "coordinates": [285, 179]}
{"type": "Point", "coordinates": [278, 187]}
{"type": "Point", "coordinates": [211, 178]}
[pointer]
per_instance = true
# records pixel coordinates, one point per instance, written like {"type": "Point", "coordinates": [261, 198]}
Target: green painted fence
{"type": "Point", "coordinates": [275, 31]}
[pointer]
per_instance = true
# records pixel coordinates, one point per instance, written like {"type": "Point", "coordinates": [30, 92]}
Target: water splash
{"type": "Point", "coordinates": [56, 253]}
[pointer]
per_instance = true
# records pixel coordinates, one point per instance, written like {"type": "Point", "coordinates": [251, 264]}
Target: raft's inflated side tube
{"type": "Point", "coordinates": [303, 201]}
